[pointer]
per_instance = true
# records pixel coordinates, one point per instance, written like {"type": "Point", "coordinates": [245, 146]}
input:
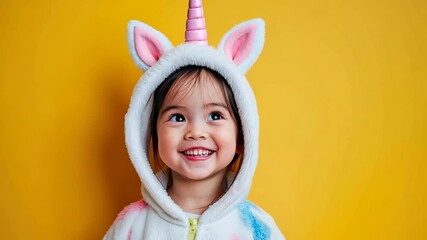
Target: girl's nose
{"type": "Point", "coordinates": [195, 133]}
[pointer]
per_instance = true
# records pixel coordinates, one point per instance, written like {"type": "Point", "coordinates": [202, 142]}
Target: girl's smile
{"type": "Point", "coordinates": [197, 153]}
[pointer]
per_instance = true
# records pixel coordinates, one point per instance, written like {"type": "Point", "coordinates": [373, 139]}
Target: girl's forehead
{"type": "Point", "coordinates": [203, 89]}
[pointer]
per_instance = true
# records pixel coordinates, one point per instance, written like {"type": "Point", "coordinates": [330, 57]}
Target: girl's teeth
{"type": "Point", "coordinates": [198, 152]}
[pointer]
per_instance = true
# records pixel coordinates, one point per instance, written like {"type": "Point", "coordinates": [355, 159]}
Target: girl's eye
{"type": "Point", "coordinates": [215, 116]}
{"type": "Point", "coordinates": [177, 118]}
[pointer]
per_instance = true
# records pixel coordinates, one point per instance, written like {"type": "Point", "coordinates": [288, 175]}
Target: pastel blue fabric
{"type": "Point", "coordinates": [259, 229]}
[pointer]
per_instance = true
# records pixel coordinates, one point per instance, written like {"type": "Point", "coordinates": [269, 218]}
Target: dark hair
{"type": "Point", "coordinates": [159, 96]}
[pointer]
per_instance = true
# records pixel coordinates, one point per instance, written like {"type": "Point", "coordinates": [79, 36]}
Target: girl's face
{"type": "Point", "coordinates": [197, 135]}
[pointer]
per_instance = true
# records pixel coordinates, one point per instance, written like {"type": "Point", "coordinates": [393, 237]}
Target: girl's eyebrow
{"type": "Point", "coordinates": [216, 104]}
{"type": "Point", "coordinates": [211, 104]}
{"type": "Point", "coordinates": [168, 108]}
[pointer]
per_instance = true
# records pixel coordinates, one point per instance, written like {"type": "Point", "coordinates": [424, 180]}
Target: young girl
{"type": "Point", "coordinates": [192, 135]}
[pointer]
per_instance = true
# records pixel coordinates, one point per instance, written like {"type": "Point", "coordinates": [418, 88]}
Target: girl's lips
{"type": "Point", "coordinates": [197, 158]}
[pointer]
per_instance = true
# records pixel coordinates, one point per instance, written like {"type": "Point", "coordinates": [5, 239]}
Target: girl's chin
{"type": "Point", "coordinates": [196, 175]}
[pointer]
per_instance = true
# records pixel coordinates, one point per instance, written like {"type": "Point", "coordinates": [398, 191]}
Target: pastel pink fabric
{"type": "Point", "coordinates": [134, 207]}
{"type": "Point", "coordinates": [196, 27]}
{"type": "Point", "coordinates": [195, 3]}
{"type": "Point", "coordinates": [240, 43]}
{"type": "Point", "coordinates": [148, 46]}
{"type": "Point", "coordinates": [195, 13]}
{"type": "Point", "coordinates": [195, 35]}
{"type": "Point", "coordinates": [195, 24]}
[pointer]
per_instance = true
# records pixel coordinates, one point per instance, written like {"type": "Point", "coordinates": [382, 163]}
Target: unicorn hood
{"type": "Point", "coordinates": [154, 54]}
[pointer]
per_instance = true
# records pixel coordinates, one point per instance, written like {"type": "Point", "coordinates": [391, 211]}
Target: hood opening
{"type": "Point", "coordinates": [194, 73]}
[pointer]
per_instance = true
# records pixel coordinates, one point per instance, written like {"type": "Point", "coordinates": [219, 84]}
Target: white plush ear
{"type": "Point", "coordinates": [146, 44]}
{"type": "Point", "coordinates": [244, 43]}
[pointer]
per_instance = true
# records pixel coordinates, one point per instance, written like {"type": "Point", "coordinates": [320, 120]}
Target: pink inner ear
{"type": "Point", "coordinates": [240, 43]}
{"type": "Point", "coordinates": [147, 46]}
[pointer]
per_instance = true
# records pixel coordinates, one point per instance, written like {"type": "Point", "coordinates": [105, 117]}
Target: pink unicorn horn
{"type": "Point", "coordinates": [196, 28]}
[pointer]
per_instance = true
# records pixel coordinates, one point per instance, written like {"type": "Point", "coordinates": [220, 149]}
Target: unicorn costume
{"type": "Point", "coordinates": [157, 216]}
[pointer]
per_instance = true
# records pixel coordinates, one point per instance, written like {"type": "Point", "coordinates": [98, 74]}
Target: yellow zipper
{"type": "Point", "coordinates": [193, 228]}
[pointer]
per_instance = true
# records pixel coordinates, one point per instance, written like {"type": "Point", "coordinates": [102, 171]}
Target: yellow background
{"type": "Point", "coordinates": [341, 87]}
